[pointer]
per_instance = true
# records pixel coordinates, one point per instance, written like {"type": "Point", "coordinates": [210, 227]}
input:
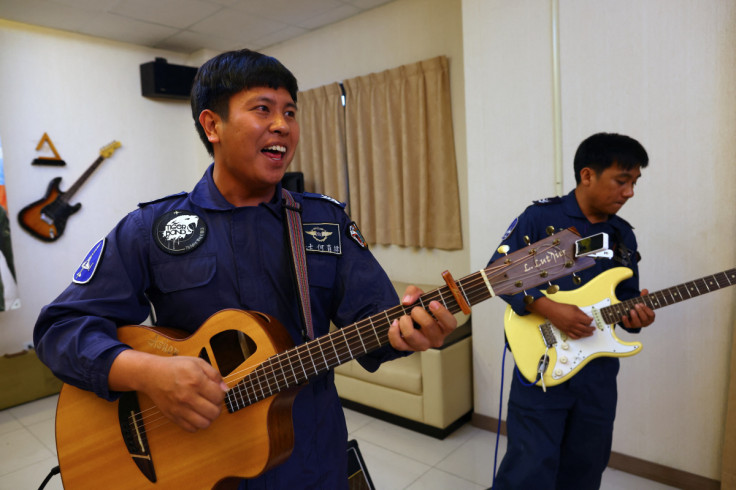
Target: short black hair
{"type": "Point", "coordinates": [230, 73]}
{"type": "Point", "coordinates": [602, 150]}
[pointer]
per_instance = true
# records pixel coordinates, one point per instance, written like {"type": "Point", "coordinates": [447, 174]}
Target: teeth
{"type": "Point", "coordinates": [278, 148]}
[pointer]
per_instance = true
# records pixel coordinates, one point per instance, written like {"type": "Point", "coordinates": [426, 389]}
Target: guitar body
{"type": "Point", "coordinates": [243, 444]}
{"type": "Point", "coordinates": [46, 218]}
{"type": "Point", "coordinates": [568, 356]}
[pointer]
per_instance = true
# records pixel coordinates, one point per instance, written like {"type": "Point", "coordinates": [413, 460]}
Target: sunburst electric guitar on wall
{"type": "Point", "coordinates": [46, 218]}
{"type": "Point", "coordinates": [544, 354]}
{"type": "Point", "coordinates": [130, 444]}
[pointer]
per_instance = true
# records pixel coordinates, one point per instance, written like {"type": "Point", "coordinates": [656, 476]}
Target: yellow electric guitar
{"type": "Point", "coordinates": [130, 444]}
{"type": "Point", "coordinates": [539, 348]}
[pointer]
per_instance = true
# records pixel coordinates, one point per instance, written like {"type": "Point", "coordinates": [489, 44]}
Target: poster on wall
{"type": "Point", "coordinates": [9, 299]}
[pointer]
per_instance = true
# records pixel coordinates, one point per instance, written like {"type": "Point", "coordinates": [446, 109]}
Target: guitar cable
{"type": "Point", "coordinates": [54, 471]}
{"type": "Point", "coordinates": [500, 406]}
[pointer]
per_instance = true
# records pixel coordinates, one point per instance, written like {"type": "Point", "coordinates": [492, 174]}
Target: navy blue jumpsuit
{"type": "Point", "coordinates": [240, 260]}
{"type": "Point", "coordinates": [562, 438]}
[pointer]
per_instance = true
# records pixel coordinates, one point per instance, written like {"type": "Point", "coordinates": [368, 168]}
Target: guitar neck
{"type": "Point", "coordinates": [613, 314]}
{"type": "Point", "coordinates": [66, 196]}
{"type": "Point", "coordinates": [298, 364]}
{"type": "Point", "coordinates": [531, 266]}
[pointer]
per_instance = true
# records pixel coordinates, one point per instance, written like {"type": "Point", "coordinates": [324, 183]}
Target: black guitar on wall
{"type": "Point", "coordinates": [46, 218]}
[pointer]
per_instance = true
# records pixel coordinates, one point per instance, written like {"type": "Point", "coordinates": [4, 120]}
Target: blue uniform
{"type": "Point", "coordinates": [183, 258]}
{"type": "Point", "coordinates": [562, 438]}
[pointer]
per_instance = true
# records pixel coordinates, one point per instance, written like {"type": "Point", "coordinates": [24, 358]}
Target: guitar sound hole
{"type": "Point", "coordinates": [231, 348]}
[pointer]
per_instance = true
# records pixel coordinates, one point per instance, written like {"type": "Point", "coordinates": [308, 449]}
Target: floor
{"type": "Point", "coordinates": [396, 458]}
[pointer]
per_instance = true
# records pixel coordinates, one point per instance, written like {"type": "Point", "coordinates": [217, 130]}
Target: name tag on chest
{"type": "Point", "coordinates": [322, 238]}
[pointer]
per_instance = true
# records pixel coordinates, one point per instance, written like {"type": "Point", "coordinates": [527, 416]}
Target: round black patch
{"type": "Point", "coordinates": [178, 232]}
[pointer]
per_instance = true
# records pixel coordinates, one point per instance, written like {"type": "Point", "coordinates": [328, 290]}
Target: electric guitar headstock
{"type": "Point", "coordinates": [107, 150]}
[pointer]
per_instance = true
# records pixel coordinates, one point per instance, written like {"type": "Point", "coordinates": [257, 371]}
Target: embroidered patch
{"type": "Point", "coordinates": [356, 235]}
{"type": "Point", "coordinates": [510, 229]}
{"type": "Point", "coordinates": [178, 232]}
{"type": "Point", "coordinates": [548, 200]}
{"type": "Point", "coordinates": [89, 265]}
{"type": "Point", "coordinates": [322, 238]}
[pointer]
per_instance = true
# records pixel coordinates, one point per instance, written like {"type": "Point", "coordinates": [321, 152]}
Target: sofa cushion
{"type": "Point", "coordinates": [403, 374]}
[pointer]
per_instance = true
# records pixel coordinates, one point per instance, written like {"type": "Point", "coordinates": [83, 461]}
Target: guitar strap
{"type": "Point", "coordinates": [293, 222]}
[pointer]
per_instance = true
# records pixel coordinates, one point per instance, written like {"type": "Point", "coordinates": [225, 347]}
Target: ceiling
{"type": "Point", "coordinates": [186, 26]}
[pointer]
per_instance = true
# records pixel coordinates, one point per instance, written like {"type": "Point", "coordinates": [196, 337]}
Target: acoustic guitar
{"type": "Point", "coordinates": [543, 353]}
{"type": "Point", "coordinates": [130, 444]}
{"type": "Point", "coordinates": [46, 218]}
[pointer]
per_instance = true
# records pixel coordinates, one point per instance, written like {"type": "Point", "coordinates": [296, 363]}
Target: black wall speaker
{"type": "Point", "coordinates": [159, 79]}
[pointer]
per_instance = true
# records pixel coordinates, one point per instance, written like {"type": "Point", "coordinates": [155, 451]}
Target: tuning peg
{"type": "Point", "coordinates": [528, 299]}
{"type": "Point", "coordinates": [527, 240]}
{"type": "Point", "coordinates": [503, 249]}
{"type": "Point", "coordinates": [553, 288]}
{"type": "Point", "coordinates": [577, 280]}
{"type": "Point", "coordinates": [550, 230]}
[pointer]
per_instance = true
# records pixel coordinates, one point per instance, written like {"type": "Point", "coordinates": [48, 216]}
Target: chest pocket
{"type": "Point", "coordinates": [321, 269]}
{"type": "Point", "coordinates": [184, 273]}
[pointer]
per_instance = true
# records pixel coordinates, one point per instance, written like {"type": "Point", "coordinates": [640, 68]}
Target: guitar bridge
{"type": "Point", "coordinates": [134, 434]}
{"type": "Point", "coordinates": [548, 336]}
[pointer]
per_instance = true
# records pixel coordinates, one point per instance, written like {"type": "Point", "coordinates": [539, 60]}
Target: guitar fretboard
{"type": "Point", "coordinates": [509, 275]}
{"type": "Point", "coordinates": [613, 314]}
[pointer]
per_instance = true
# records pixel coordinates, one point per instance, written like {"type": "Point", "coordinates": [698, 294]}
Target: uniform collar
{"type": "Point", "coordinates": [206, 195]}
{"type": "Point", "coordinates": [572, 208]}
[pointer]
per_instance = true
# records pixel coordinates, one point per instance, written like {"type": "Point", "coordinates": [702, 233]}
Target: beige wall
{"type": "Point", "coordinates": [401, 32]}
{"type": "Point", "coordinates": [664, 73]}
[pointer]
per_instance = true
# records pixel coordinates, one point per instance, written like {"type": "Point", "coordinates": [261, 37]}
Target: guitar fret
{"type": "Point", "coordinates": [374, 330]}
{"type": "Point", "coordinates": [298, 357]}
{"type": "Point", "coordinates": [439, 291]}
{"type": "Point", "coordinates": [360, 337]}
{"type": "Point", "coordinates": [322, 352]}
{"type": "Point", "coordinates": [309, 351]}
{"type": "Point", "coordinates": [347, 344]}
{"type": "Point", "coordinates": [337, 356]}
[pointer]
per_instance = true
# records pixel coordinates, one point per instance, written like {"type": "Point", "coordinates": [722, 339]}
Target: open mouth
{"type": "Point", "coordinates": [274, 151]}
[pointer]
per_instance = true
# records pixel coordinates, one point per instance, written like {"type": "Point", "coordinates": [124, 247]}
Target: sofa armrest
{"type": "Point", "coordinates": [447, 381]}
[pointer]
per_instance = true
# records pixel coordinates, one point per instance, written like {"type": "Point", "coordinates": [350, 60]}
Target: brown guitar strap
{"type": "Point", "coordinates": [298, 259]}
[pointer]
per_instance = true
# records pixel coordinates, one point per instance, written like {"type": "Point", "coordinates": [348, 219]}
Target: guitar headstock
{"type": "Point", "coordinates": [109, 149]}
{"type": "Point", "coordinates": [539, 263]}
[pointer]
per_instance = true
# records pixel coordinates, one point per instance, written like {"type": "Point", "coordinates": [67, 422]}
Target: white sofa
{"type": "Point", "coordinates": [431, 391]}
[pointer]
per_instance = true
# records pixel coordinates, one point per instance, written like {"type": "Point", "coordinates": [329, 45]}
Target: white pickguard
{"type": "Point", "coordinates": [571, 353]}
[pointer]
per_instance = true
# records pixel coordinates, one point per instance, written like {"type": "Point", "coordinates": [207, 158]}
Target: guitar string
{"type": "Point", "coordinates": [262, 379]}
{"type": "Point", "coordinates": [468, 284]}
{"type": "Point", "coordinates": [473, 286]}
{"type": "Point", "coordinates": [659, 299]}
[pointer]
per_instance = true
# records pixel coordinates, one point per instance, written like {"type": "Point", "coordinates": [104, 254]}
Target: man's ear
{"type": "Point", "coordinates": [586, 175]}
{"type": "Point", "coordinates": [210, 122]}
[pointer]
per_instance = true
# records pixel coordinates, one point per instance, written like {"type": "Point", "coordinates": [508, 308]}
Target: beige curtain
{"type": "Point", "coordinates": [401, 156]}
{"type": "Point", "coordinates": [728, 471]}
{"type": "Point", "coordinates": [321, 151]}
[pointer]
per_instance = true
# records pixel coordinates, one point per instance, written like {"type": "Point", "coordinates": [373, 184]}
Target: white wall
{"type": "Point", "coordinates": [84, 92]}
{"type": "Point", "coordinates": [664, 73]}
{"type": "Point", "coordinates": [401, 32]}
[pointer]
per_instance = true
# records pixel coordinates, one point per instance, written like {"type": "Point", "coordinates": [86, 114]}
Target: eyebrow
{"type": "Point", "coordinates": [271, 100]}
